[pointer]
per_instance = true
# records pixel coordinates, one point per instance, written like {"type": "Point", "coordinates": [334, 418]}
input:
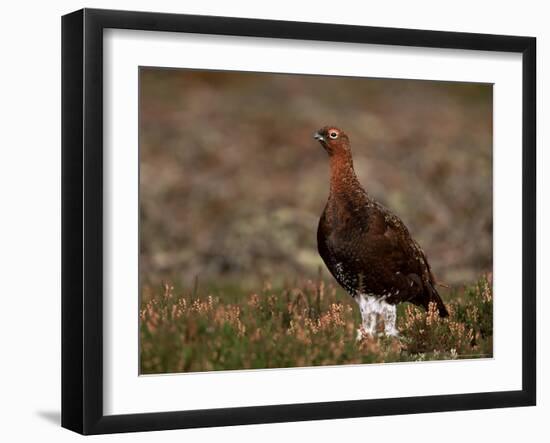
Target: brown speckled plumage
{"type": "Point", "coordinates": [368, 249]}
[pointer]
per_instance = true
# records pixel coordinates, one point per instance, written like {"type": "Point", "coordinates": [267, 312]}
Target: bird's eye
{"type": "Point", "coordinates": [333, 134]}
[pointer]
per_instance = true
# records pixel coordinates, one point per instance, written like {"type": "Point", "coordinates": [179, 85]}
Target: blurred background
{"type": "Point", "coordinates": [232, 183]}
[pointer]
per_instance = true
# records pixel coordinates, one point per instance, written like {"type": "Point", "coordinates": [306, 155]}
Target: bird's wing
{"type": "Point", "coordinates": [396, 264]}
{"type": "Point", "coordinates": [403, 264]}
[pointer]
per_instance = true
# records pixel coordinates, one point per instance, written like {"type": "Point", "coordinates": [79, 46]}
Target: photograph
{"type": "Point", "coordinates": [292, 220]}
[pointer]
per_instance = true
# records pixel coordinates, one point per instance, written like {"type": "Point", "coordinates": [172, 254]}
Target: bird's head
{"type": "Point", "coordinates": [334, 140]}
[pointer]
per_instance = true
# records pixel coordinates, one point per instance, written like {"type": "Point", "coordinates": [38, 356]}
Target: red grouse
{"type": "Point", "coordinates": [367, 249]}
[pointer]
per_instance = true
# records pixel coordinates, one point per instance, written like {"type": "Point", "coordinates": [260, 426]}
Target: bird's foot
{"type": "Point", "coordinates": [391, 333]}
{"type": "Point", "coordinates": [363, 333]}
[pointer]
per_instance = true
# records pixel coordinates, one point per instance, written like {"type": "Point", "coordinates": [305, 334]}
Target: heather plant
{"type": "Point", "coordinates": [305, 324]}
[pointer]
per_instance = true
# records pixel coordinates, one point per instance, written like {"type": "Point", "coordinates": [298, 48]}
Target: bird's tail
{"type": "Point", "coordinates": [436, 298]}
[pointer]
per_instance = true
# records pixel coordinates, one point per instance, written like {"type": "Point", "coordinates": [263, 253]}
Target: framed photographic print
{"type": "Point", "coordinates": [261, 217]}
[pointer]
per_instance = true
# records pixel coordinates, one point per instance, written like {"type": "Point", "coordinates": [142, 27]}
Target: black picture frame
{"type": "Point", "coordinates": [82, 221]}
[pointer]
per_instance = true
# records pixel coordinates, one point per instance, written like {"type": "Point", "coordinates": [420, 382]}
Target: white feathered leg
{"type": "Point", "coordinates": [389, 312]}
{"type": "Point", "coordinates": [369, 315]}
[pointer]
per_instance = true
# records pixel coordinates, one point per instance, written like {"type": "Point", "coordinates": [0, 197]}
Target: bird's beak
{"type": "Point", "coordinates": [319, 137]}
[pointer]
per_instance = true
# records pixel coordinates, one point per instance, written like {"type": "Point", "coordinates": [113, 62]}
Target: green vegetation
{"type": "Point", "coordinates": [305, 324]}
